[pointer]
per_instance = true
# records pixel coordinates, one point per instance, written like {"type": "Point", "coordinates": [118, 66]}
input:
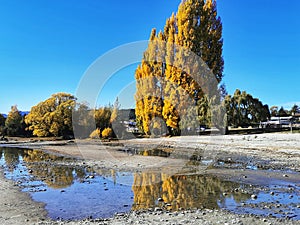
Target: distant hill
{"type": "Point", "coordinates": [23, 113]}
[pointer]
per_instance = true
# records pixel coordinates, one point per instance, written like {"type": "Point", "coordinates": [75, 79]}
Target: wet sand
{"type": "Point", "coordinates": [271, 151]}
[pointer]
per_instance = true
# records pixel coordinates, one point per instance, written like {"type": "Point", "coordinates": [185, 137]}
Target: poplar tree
{"type": "Point", "coordinates": [170, 80]}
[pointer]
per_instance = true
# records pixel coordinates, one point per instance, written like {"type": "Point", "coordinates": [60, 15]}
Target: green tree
{"type": "Point", "coordinates": [274, 111]}
{"type": "Point", "coordinates": [295, 109]}
{"type": "Point", "coordinates": [2, 125]}
{"type": "Point", "coordinates": [83, 120]}
{"type": "Point", "coordinates": [283, 112]}
{"type": "Point", "coordinates": [244, 110]}
{"type": "Point", "coordinates": [13, 123]}
{"type": "Point", "coordinates": [52, 117]}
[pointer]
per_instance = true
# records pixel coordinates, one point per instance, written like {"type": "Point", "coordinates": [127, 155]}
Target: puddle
{"type": "Point", "coordinates": [71, 190]}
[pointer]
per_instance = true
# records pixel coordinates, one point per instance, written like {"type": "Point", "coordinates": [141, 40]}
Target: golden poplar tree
{"type": "Point", "coordinates": [149, 85]}
{"type": "Point", "coordinates": [171, 79]}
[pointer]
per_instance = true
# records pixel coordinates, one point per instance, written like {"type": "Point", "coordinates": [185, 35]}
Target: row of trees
{"type": "Point", "coordinates": [244, 110]}
{"type": "Point", "coordinates": [60, 116]}
{"type": "Point", "coordinates": [276, 111]}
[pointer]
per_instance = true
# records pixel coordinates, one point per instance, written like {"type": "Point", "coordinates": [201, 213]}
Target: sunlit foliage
{"type": "Point", "coordinates": [164, 89]}
{"type": "Point", "coordinates": [107, 133]}
{"type": "Point", "coordinates": [52, 117]}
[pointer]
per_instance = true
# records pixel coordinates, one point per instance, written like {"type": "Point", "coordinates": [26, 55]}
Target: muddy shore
{"type": "Point", "coordinates": [277, 151]}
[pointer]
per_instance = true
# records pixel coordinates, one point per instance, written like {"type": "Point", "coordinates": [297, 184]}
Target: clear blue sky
{"type": "Point", "coordinates": [46, 46]}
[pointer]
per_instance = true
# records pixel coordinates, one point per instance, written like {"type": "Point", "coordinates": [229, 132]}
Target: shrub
{"type": "Point", "coordinates": [107, 132]}
{"type": "Point", "coordinates": [95, 134]}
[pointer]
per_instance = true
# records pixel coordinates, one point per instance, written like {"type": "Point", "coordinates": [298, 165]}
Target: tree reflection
{"type": "Point", "coordinates": [46, 167]}
{"type": "Point", "coordinates": [181, 191]}
{"type": "Point", "coordinates": [12, 159]}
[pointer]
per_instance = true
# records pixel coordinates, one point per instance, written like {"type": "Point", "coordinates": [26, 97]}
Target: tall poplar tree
{"type": "Point", "coordinates": [171, 79]}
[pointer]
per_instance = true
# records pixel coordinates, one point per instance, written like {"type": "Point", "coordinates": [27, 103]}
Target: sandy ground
{"type": "Point", "coordinates": [277, 150]}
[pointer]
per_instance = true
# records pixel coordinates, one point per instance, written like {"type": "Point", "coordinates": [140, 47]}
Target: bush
{"type": "Point", "coordinates": [107, 133]}
{"type": "Point", "coordinates": [95, 134]}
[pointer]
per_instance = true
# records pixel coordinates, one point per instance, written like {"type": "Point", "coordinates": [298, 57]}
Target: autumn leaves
{"type": "Point", "coordinates": [180, 70]}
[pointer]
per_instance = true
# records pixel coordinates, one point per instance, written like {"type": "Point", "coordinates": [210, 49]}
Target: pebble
{"type": "Point", "coordinates": [157, 209]}
{"type": "Point", "coordinates": [160, 200]}
{"type": "Point", "coordinates": [254, 196]}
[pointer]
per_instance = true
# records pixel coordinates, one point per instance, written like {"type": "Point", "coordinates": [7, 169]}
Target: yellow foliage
{"type": "Point", "coordinates": [107, 132]}
{"type": "Point", "coordinates": [52, 117]}
{"type": "Point", "coordinates": [171, 77]}
{"type": "Point", "coordinates": [95, 134]}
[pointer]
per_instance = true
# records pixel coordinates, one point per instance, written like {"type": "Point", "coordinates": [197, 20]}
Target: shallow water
{"type": "Point", "coordinates": [72, 190]}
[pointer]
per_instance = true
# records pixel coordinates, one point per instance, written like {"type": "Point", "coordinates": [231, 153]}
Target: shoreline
{"type": "Point", "coordinates": [280, 150]}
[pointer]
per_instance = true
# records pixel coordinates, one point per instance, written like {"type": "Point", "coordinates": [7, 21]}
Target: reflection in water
{"type": "Point", "coordinates": [43, 167]}
{"type": "Point", "coordinates": [54, 175]}
{"type": "Point", "coordinates": [181, 191]}
{"type": "Point", "coordinates": [156, 152]}
{"type": "Point", "coordinates": [71, 190]}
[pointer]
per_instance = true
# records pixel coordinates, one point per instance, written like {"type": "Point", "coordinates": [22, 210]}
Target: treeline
{"type": "Point", "coordinates": [61, 116]}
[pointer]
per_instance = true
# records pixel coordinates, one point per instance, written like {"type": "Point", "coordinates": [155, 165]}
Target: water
{"type": "Point", "coordinates": [72, 190]}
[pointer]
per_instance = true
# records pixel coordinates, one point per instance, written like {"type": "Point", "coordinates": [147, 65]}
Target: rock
{"type": "Point", "coordinates": [157, 209]}
{"type": "Point", "coordinates": [254, 196]}
{"type": "Point", "coordinates": [160, 200]}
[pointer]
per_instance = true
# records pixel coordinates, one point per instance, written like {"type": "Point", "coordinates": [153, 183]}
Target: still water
{"type": "Point", "coordinates": [72, 190]}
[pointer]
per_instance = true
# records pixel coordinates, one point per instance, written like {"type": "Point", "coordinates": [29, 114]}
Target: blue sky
{"type": "Point", "coordinates": [46, 46]}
